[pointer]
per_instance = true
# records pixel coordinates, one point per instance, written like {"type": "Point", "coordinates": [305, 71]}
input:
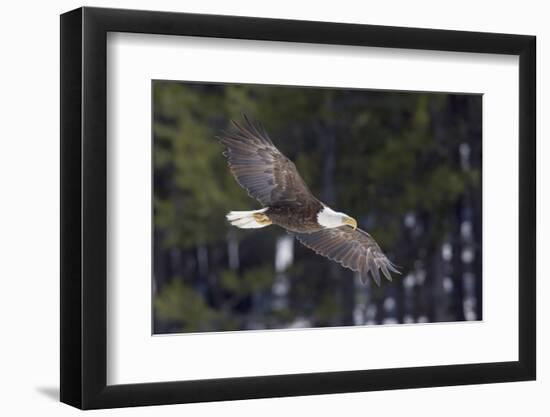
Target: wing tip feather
{"type": "Point", "coordinates": [366, 267]}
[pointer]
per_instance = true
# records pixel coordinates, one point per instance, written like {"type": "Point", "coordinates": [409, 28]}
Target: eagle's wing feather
{"type": "Point", "coordinates": [354, 249]}
{"type": "Point", "coordinates": [260, 168]}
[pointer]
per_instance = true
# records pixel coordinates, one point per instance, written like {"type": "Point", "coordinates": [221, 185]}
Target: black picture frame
{"type": "Point", "coordinates": [84, 207]}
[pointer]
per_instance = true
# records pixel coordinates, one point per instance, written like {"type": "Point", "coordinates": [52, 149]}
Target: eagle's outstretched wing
{"type": "Point", "coordinates": [354, 249]}
{"type": "Point", "coordinates": [260, 168]}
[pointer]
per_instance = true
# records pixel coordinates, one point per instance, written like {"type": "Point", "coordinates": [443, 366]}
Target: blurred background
{"type": "Point", "coordinates": [407, 166]}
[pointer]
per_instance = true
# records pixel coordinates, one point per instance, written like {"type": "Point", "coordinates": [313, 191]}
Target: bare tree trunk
{"type": "Point", "coordinates": [202, 260]}
{"type": "Point", "coordinates": [284, 258]}
{"type": "Point", "coordinates": [327, 137]}
{"type": "Point", "coordinates": [232, 250]}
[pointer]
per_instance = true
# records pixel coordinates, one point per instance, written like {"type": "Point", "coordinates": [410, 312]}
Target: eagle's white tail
{"type": "Point", "coordinates": [248, 219]}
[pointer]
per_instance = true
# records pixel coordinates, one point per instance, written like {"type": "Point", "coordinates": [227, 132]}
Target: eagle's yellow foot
{"type": "Point", "coordinates": [262, 218]}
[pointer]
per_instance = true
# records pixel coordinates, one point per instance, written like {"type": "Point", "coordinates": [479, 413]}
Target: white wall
{"type": "Point", "coordinates": [29, 174]}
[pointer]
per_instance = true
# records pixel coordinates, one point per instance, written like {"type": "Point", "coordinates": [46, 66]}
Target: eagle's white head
{"type": "Point", "coordinates": [329, 218]}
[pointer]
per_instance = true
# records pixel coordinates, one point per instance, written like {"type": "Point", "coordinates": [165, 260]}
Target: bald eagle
{"type": "Point", "coordinates": [272, 179]}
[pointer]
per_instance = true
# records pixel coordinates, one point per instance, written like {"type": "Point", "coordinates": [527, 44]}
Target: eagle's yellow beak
{"type": "Point", "coordinates": [351, 221]}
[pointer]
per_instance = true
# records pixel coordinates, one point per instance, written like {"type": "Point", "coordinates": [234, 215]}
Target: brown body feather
{"type": "Point", "coordinates": [296, 218]}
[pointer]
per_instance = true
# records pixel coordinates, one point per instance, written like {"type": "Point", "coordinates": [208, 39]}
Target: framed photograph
{"type": "Point", "coordinates": [259, 208]}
